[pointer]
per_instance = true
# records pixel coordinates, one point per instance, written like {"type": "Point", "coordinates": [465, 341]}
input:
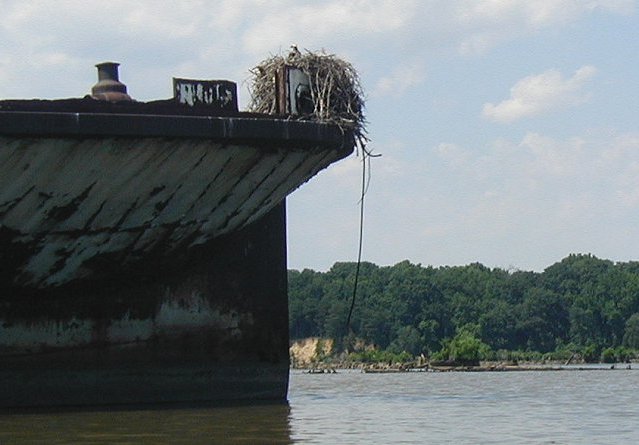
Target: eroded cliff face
{"type": "Point", "coordinates": [309, 352]}
{"type": "Point", "coordinates": [208, 328]}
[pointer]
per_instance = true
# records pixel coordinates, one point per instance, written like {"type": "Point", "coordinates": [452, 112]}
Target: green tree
{"type": "Point", "coordinates": [631, 334]}
{"type": "Point", "coordinates": [582, 301]}
{"type": "Point", "coordinates": [543, 320]}
{"type": "Point", "coordinates": [465, 348]}
{"type": "Point", "coordinates": [407, 339]}
{"type": "Point", "coordinates": [498, 325]}
{"type": "Point", "coordinates": [430, 338]}
{"type": "Point", "coordinates": [306, 291]}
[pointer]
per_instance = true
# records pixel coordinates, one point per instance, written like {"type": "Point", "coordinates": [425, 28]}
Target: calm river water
{"type": "Point", "coordinates": [580, 407]}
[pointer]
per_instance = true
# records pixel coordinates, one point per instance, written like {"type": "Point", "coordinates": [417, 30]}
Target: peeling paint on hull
{"type": "Point", "coordinates": [216, 329]}
{"type": "Point", "coordinates": [143, 258]}
{"type": "Point", "coordinates": [66, 202]}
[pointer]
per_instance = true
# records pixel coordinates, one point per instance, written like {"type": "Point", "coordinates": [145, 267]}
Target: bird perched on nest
{"type": "Point", "coordinates": [294, 53]}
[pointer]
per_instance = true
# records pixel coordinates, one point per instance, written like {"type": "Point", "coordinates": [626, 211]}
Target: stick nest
{"type": "Point", "coordinates": [335, 89]}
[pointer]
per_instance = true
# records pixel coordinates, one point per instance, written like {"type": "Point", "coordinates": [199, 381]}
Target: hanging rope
{"type": "Point", "coordinates": [366, 155]}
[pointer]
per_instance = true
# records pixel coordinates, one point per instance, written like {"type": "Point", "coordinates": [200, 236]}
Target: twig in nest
{"type": "Point", "coordinates": [335, 90]}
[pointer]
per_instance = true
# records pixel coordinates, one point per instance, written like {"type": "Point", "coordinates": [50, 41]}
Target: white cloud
{"type": "Point", "coordinates": [536, 94]}
{"type": "Point", "coordinates": [551, 157]}
{"type": "Point", "coordinates": [312, 24]}
{"type": "Point", "coordinates": [578, 178]}
{"type": "Point", "coordinates": [452, 153]}
{"type": "Point", "coordinates": [489, 22]}
{"type": "Point", "coordinates": [152, 40]}
{"type": "Point", "coordinates": [535, 197]}
{"type": "Point", "coordinates": [545, 171]}
{"type": "Point", "coordinates": [158, 39]}
{"type": "Point", "coordinates": [401, 79]}
{"type": "Point", "coordinates": [539, 13]}
{"type": "Point", "coordinates": [621, 156]}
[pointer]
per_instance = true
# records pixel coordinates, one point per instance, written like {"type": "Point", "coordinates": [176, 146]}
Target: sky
{"type": "Point", "coordinates": [508, 129]}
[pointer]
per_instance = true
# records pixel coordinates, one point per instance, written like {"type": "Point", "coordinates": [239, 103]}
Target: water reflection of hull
{"type": "Point", "coordinates": [230, 425]}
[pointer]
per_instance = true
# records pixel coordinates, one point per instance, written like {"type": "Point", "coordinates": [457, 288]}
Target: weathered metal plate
{"type": "Point", "coordinates": [294, 91]}
{"type": "Point", "coordinates": [220, 94]}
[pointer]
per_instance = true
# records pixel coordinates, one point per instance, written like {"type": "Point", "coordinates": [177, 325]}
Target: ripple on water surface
{"type": "Point", "coordinates": [593, 407]}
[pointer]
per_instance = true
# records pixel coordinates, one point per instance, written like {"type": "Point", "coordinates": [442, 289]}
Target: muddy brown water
{"type": "Point", "coordinates": [349, 407]}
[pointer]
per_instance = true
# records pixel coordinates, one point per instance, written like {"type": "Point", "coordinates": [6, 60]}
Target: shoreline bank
{"type": "Point", "coordinates": [488, 367]}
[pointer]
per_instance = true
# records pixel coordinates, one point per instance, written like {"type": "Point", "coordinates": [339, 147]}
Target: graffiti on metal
{"type": "Point", "coordinates": [220, 94]}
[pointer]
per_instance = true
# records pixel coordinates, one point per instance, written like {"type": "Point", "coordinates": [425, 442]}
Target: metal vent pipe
{"type": "Point", "coordinates": [109, 87]}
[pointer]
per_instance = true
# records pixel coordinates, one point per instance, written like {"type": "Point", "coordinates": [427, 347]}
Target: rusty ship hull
{"type": "Point", "coordinates": [71, 197]}
{"type": "Point", "coordinates": [143, 256]}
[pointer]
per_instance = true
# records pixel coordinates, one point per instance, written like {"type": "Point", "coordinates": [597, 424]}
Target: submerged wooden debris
{"type": "Point", "coordinates": [492, 367]}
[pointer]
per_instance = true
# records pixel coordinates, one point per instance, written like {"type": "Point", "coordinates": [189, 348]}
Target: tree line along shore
{"type": "Point", "coordinates": [581, 309]}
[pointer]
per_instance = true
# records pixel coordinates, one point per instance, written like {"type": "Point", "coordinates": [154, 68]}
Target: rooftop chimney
{"type": "Point", "coordinates": [109, 87]}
